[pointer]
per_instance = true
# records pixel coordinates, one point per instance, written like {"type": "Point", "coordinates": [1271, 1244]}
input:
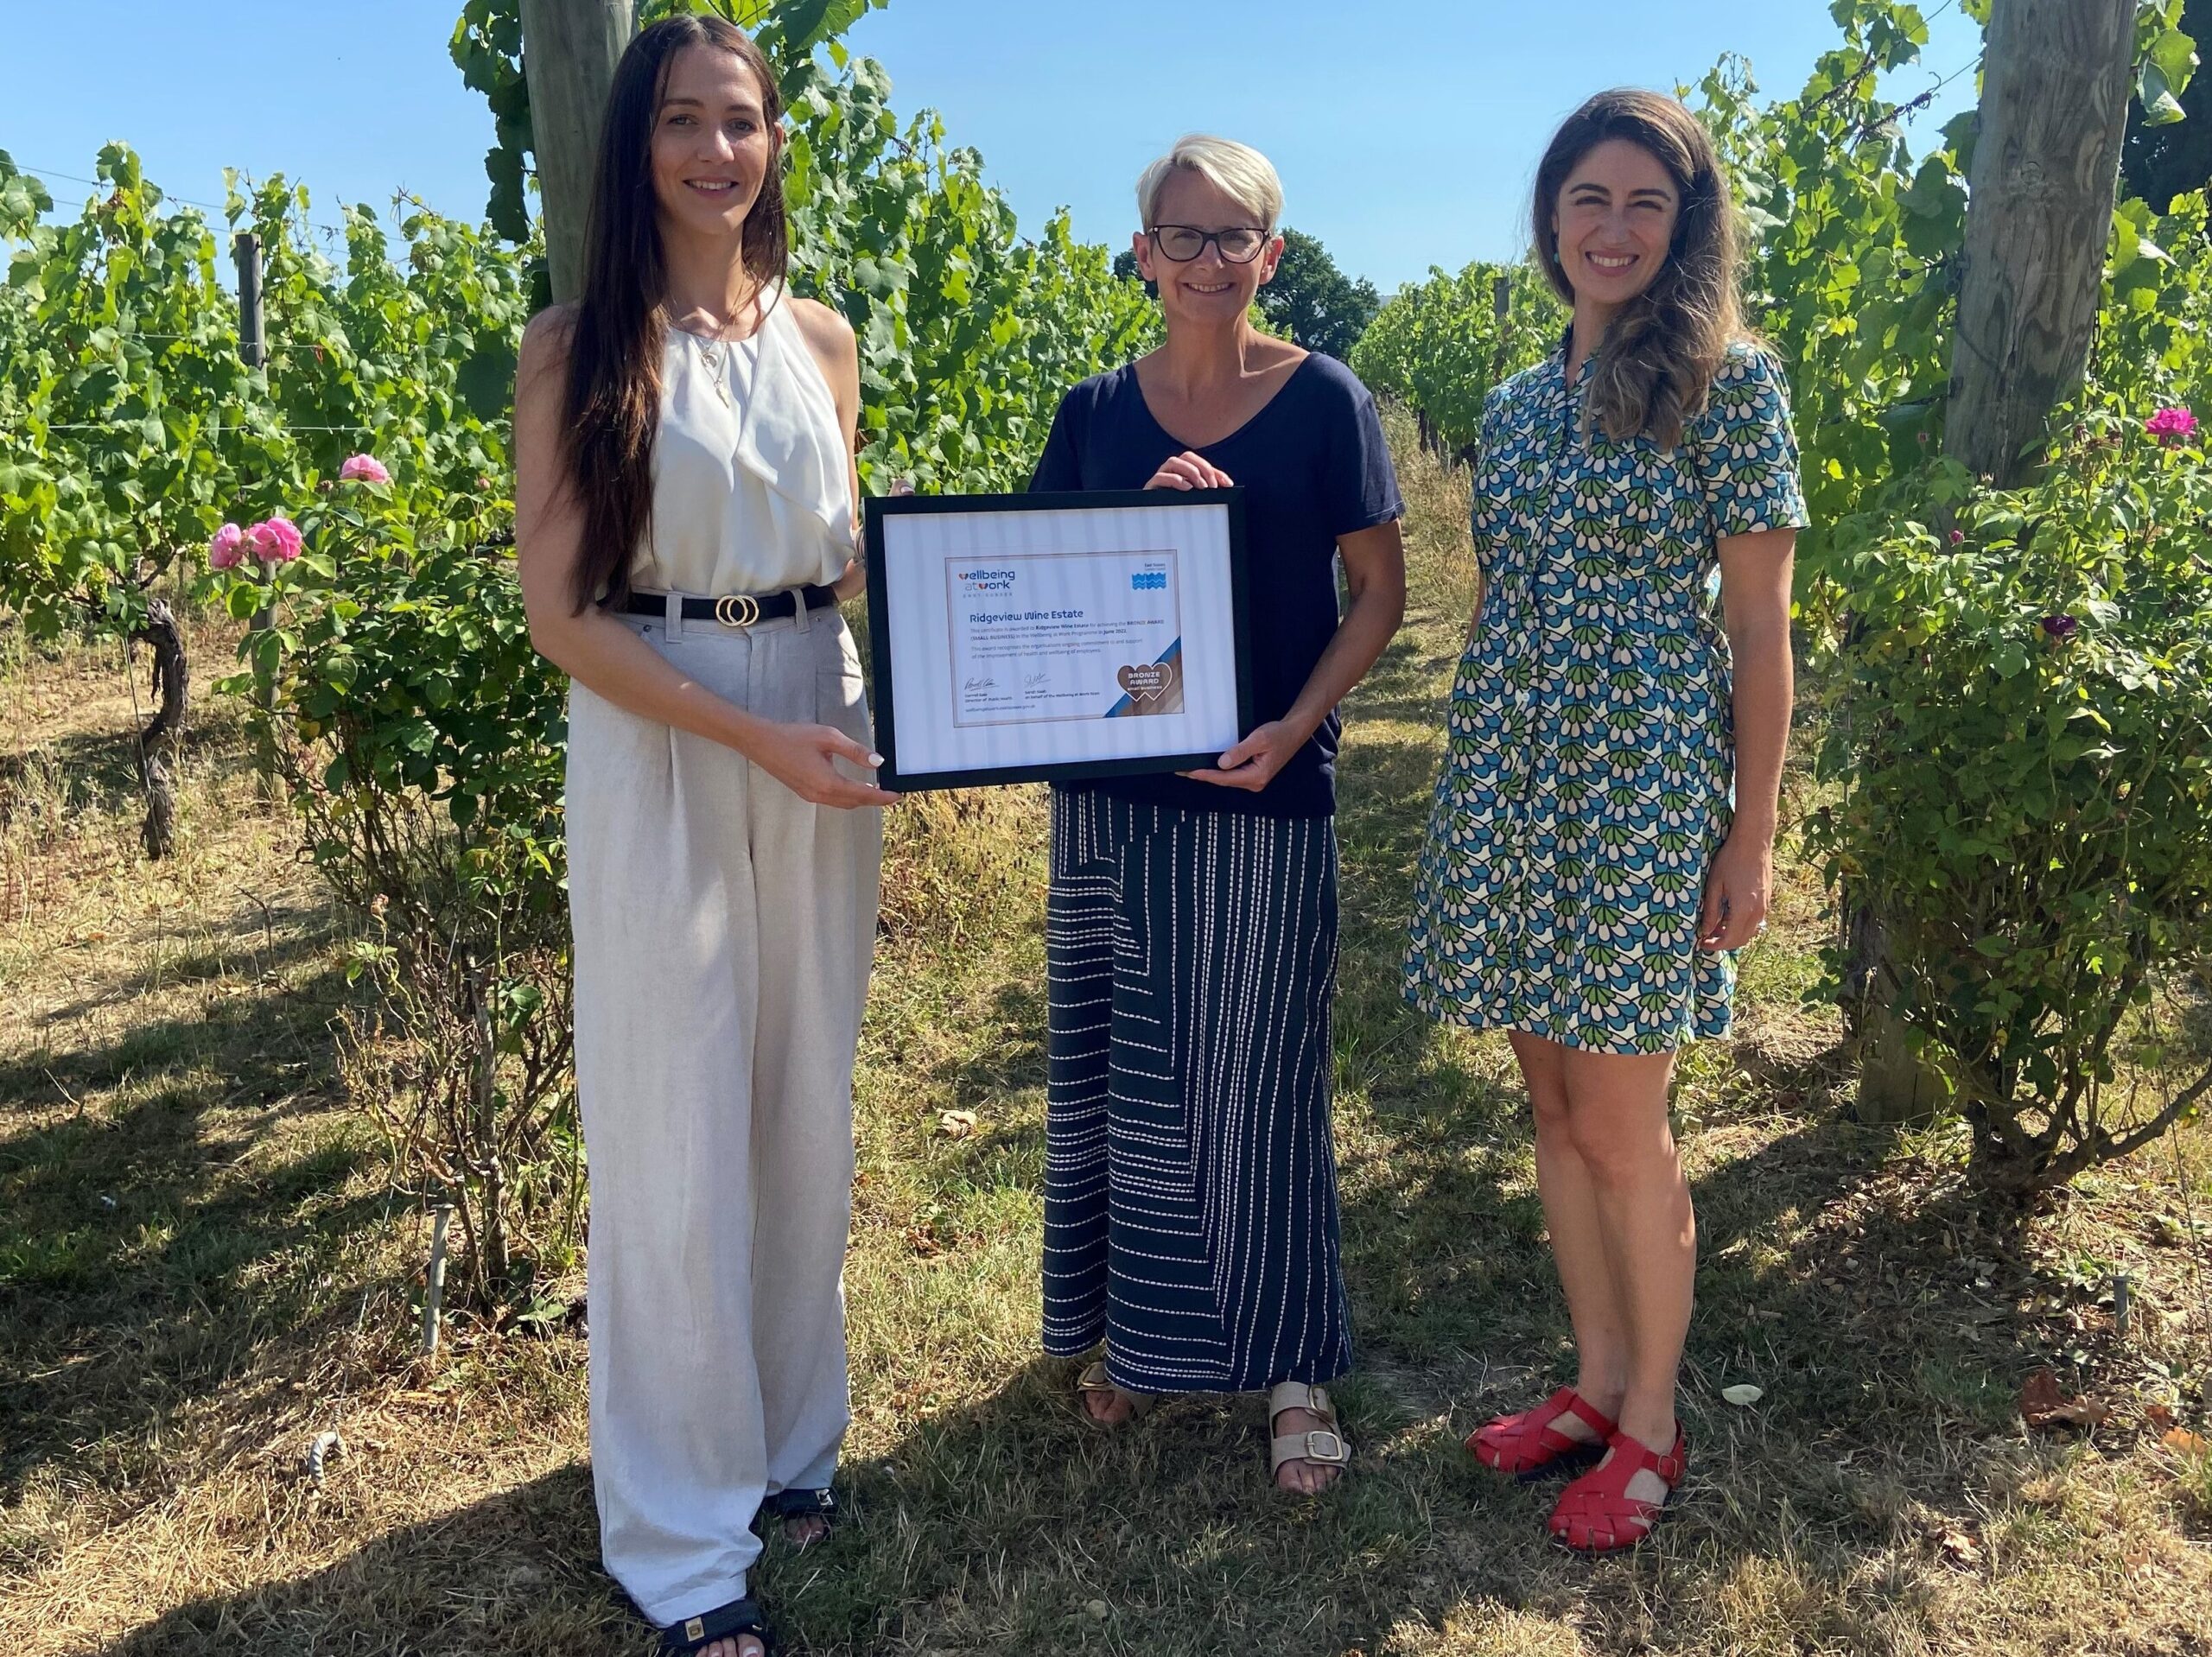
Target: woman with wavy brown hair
{"type": "Point", "coordinates": [1604, 828]}
{"type": "Point", "coordinates": [684, 496]}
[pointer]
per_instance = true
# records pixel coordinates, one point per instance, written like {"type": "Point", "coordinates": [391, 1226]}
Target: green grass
{"type": "Point", "coordinates": [200, 1269]}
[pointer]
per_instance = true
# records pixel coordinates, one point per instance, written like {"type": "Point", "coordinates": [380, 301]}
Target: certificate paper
{"type": "Point", "coordinates": [1055, 636]}
{"type": "Point", "coordinates": [1086, 635]}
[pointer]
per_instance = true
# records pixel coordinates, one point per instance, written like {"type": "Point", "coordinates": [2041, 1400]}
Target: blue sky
{"type": "Point", "coordinates": [1405, 135]}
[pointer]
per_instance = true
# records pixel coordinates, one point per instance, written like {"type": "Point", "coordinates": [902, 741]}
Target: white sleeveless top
{"type": "Point", "coordinates": [751, 486]}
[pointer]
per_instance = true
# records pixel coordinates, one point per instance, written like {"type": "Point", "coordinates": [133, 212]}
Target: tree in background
{"type": "Point", "coordinates": [1314, 302]}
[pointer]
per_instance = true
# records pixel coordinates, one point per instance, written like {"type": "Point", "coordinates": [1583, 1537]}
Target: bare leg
{"type": "Point", "coordinates": [1617, 1120]}
{"type": "Point", "coordinates": [1594, 1302]}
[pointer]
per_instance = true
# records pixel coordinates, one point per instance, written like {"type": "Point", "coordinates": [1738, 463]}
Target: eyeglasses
{"type": "Point", "coordinates": [1183, 243]}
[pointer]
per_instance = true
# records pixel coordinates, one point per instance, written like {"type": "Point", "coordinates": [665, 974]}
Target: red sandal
{"type": "Point", "coordinates": [1596, 1515]}
{"type": "Point", "coordinates": [1527, 1446]}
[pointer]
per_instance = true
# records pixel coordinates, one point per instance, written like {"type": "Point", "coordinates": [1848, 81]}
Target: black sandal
{"type": "Point", "coordinates": [729, 1621]}
{"type": "Point", "coordinates": [788, 1505]}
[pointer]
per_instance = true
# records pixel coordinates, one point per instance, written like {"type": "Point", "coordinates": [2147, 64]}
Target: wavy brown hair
{"type": "Point", "coordinates": [1656, 364]}
{"type": "Point", "coordinates": [613, 400]}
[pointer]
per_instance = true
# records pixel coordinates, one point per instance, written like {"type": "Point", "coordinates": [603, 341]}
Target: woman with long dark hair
{"type": "Point", "coordinates": [685, 491]}
{"type": "Point", "coordinates": [1604, 829]}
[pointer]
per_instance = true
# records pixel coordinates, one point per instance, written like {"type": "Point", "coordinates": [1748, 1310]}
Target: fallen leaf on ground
{"type": "Point", "coordinates": [923, 1240]}
{"type": "Point", "coordinates": [2158, 1416]}
{"type": "Point", "coordinates": [1959, 1548]}
{"type": "Point", "coordinates": [2182, 1441]}
{"type": "Point", "coordinates": [956, 1124]}
{"type": "Point", "coordinates": [1744, 1395]}
{"type": "Point", "coordinates": [2042, 1405]}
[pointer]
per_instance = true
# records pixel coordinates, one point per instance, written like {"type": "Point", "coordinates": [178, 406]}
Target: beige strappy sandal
{"type": "Point", "coordinates": [1323, 1446]}
{"type": "Point", "coordinates": [1094, 1379]}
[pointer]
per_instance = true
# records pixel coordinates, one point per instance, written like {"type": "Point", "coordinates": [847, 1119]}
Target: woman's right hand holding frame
{"type": "Point", "coordinates": [799, 757]}
{"type": "Point", "coordinates": [1189, 470]}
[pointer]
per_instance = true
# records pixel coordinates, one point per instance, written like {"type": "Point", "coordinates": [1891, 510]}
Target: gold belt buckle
{"type": "Point", "coordinates": [737, 609]}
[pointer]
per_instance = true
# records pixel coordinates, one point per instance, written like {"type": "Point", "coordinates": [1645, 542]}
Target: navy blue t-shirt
{"type": "Point", "coordinates": [1313, 466]}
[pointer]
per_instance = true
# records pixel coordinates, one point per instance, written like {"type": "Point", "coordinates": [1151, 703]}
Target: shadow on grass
{"type": "Point", "coordinates": [1015, 1061]}
{"type": "Point", "coordinates": [248, 936]}
{"type": "Point", "coordinates": [1010, 1524]}
{"type": "Point", "coordinates": [515, 1573]}
{"type": "Point", "coordinates": [164, 1234]}
{"type": "Point", "coordinates": [105, 761]}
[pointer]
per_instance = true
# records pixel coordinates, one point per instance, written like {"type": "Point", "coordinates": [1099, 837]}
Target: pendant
{"type": "Point", "coordinates": [711, 351]}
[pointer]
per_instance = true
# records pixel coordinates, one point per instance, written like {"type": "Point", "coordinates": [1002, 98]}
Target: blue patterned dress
{"type": "Point", "coordinates": [1591, 758]}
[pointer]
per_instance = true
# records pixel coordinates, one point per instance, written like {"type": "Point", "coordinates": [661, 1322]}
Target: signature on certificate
{"type": "Point", "coordinates": [1038, 682]}
{"type": "Point", "coordinates": [981, 684]}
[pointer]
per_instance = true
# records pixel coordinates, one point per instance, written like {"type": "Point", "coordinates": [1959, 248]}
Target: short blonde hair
{"type": "Point", "coordinates": [1238, 171]}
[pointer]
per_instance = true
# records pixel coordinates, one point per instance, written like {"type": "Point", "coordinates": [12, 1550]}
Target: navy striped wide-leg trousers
{"type": "Point", "coordinates": [1191, 1186]}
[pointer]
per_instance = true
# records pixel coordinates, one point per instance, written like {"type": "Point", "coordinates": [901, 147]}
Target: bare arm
{"type": "Point", "coordinates": [1375, 580]}
{"type": "Point", "coordinates": [1755, 601]}
{"type": "Point", "coordinates": [598, 651]}
{"type": "Point", "coordinates": [1374, 575]}
{"type": "Point", "coordinates": [831, 338]}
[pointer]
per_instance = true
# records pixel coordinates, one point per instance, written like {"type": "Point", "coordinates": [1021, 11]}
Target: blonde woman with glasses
{"type": "Point", "coordinates": [1191, 1198]}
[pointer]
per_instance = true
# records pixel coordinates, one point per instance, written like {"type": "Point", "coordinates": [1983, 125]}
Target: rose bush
{"type": "Point", "coordinates": [2023, 745]}
{"type": "Point", "coordinates": [419, 737]}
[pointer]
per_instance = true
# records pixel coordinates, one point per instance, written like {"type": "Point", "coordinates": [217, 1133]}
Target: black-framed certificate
{"type": "Point", "coordinates": [1021, 637]}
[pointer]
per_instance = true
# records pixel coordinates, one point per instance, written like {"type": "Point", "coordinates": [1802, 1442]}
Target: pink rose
{"type": "Point", "coordinates": [363, 468]}
{"type": "Point", "coordinates": [2177, 424]}
{"type": "Point", "coordinates": [275, 540]}
{"type": "Point", "coordinates": [226, 547]}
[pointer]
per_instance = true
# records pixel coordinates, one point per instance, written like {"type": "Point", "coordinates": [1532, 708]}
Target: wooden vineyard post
{"type": "Point", "coordinates": [2046, 167]}
{"type": "Point", "coordinates": [569, 51]}
{"type": "Point", "coordinates": [2056, 81]}
{"type": "Point", "coordinates": [1501, 306]}
{"type": "Point", "coordinates": [253, 338]}
{"type": "Point", "coordinates": [253, 351]}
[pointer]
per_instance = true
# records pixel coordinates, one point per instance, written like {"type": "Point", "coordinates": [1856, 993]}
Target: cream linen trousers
{"type": "Point", "coordinates": [723, 931]}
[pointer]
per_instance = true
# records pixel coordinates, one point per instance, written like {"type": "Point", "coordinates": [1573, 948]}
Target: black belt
{"type": "Point", "coordinates": [736, 609]}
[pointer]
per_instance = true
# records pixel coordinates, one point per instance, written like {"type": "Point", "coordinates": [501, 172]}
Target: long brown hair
{"type": "Point", "coordinates": [613, 403]}
{"type": "Point", "coordinates": [1656, 367]}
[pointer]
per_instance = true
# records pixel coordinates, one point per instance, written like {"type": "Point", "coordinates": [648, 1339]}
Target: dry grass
{"type": "Point", "coordinates": [199, 1271]}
